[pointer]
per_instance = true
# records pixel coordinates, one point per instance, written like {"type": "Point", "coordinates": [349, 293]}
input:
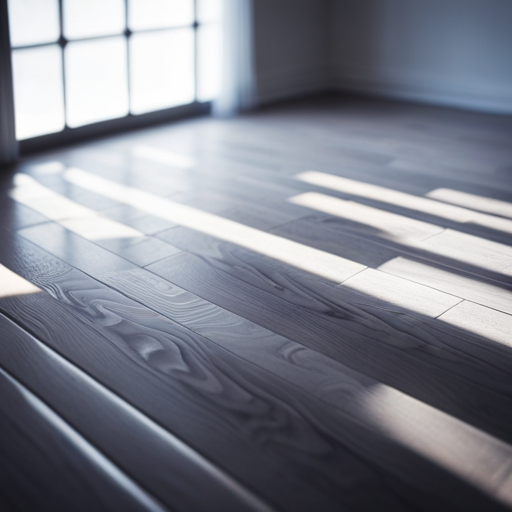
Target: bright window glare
{"type": "Point", "coordinates": [38, 95]}
{"type": "Point", "coordinates": [149, 14]}
{"type": "Point", "coordinates": [93, 18]}
{"type": "Point", "coordinates": [93, 78]}
{"type": "Point", "coordinates": [33, 21]}
{"type": "Point", "coordinates": [209, 11]}
{"type": "Point", "coordinates": [96, 84]}
{"type": "Point", "coordinates": [162, 70]}
{"type": "Point", "coordinates": [209, 58]}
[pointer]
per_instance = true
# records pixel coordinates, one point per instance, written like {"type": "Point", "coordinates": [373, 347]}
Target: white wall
{"type": "Point", "coordinates": [454, 52]}
{"type": "Point", "coordinates": [292, 48]}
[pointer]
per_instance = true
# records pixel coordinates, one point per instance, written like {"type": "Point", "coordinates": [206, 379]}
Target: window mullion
{"type": "Point", "coordinates": [9, 146]}
{"type": "Point", "coordinates": [196, 46]}
{"type": "Point", "coordinates": [62, 43]}
{"type": "Point", "coordinates": [128, 34]}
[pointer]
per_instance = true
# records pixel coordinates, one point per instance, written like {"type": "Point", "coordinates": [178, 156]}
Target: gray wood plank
{"type": "Point", "coordinates": [438, 436]}
{"type": "Point", "coordinates": [168, 468]}
{"type": "Point", "coordinates": [352, 326]}
{"type": "Point", "coordinates": [46, 465]}
{"type": "Point", "coordinates": [221, 405]}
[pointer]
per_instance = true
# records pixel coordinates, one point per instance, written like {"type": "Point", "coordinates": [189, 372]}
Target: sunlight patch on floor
{"type": "Point", "coordinates": [452, 282]}
{"type": "Point", "coordinates": [488, 323]}
{"type": "Point", "coordinates": [401, 292]}
{"type": "Point", "coordinates": [391, 225]}
{"type": "Point", "coordinates": [79, 219]}
{"type": "Point", "coordinates": [404, 200]}
{"type": "Point", "coordinates": [462, 449]}
{"type": "Point", "coordinates": [317, 262]}
{"type": "Point", "coordinates": [12, 285]}
{"type": "Point", "coordinates": [472, 201]}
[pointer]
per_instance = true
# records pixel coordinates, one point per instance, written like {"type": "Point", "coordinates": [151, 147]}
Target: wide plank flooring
{"type": "Point", "coordinates": [305, 308]}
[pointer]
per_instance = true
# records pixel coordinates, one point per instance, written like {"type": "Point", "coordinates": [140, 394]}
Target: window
{"type": "Point", "coordinates": [81, 62]}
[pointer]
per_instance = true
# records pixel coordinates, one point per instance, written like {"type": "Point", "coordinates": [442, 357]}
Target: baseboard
{"type": "Point", "coordinates": [424, 90]}
{"type": "Point", "coordinates": [284, 84]}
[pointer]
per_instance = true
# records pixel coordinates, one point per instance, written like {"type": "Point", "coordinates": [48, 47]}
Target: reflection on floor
{"type": "Point", "coordinates": [307, 308]}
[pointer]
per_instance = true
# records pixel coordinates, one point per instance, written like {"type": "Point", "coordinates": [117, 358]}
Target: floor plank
{"type": "Point", "coordinates": [169, 469]}
{"type": "Point", "coordinates": [351, 241]}
{"type": "Point", "coordinates": [228, 409]}
{"type": "Point", "coordinates": [474, 250]}
{"type": "Point", "coordinates": [339, 429]}
{"type": "Point", "coordinates": [494, 325]}
{"type": "Point", "coordinates": [352, 328]}
{"type": "Point", "coordinates": [190, 323]}
{"type": "Point", "coordinates": [466, 287]}
{"type": "Point", "coordinates": [440, 437]}
{"type": "Point", "coordinates": [46, 464]}
{"type": "Point", "coordinates": [385, 223]}
{"type": "Point", "coordinates": [402, 292]}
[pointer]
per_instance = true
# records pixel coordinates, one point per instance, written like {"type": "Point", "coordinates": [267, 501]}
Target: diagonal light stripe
{"type": "Point", "coordinates": [394, 226]}
{"type": "Point", "coordinates": [472, 201]}
{"type": "Point", "coordinates": [472, 454]}
{"type": "Point", "coordinates": [79, 219]}
{"type": "Point", "coordinates": [12, 285]}
{"type": "Point", "coordinates": [311, 260]}
{"type": "Point", "coordinates": [404, 200]}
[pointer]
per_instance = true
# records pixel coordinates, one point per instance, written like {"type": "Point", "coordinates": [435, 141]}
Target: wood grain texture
{"type": "Point", "coordinates": [46, 465]}
{"type": "Point", "coordinates": [351, 241]}
{"type": "Point", "coordinates": [252, 374]}
{"type": "Point", "coordinates": [321, 443]}
{"type": "Point", "coordinates": [160, 462]}
{"type": "Point", "coordinates": [473, 250]}
{"type": "Point", "coordinates": [376, 338]}
{"type": "Point", "coordinates": [221, 405]}
{"type": "Point", "coordinates": [413, 424]}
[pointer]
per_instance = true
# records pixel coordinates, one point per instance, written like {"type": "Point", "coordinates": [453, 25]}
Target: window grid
{"type": "Point", "coordinates": [63, 42]}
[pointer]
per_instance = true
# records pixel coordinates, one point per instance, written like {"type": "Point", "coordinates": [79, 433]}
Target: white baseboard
{"type": "Point", "coordinates": [421, 89]}
{"type": "Point", "coordinates": [283, 84]}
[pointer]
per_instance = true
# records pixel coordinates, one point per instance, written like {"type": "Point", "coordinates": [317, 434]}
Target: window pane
{"type": "Point", "coordinates": [38, 98]}
{"type": "Point", "coordinates": [96, 81]}
{"type": "Point", "coordinates": [147, 14]}
{"type": "Point", "coordinates": [93, 18]}
{"type": "Point", "coordinates": [33, 21]}
{"type": "Point", "coordinates": [209, 55]}
{"type": "Point", "coordinates": [162, 69]}
{"type": "Point", "coordinates": [209, 11]}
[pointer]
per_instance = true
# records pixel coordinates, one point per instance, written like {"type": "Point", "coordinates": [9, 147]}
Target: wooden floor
{"type": "Point", "coordinates": [304, 309]}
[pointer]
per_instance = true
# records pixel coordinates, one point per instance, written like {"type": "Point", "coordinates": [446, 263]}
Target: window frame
{"type": "Point", "coordinates": [118, 125]}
